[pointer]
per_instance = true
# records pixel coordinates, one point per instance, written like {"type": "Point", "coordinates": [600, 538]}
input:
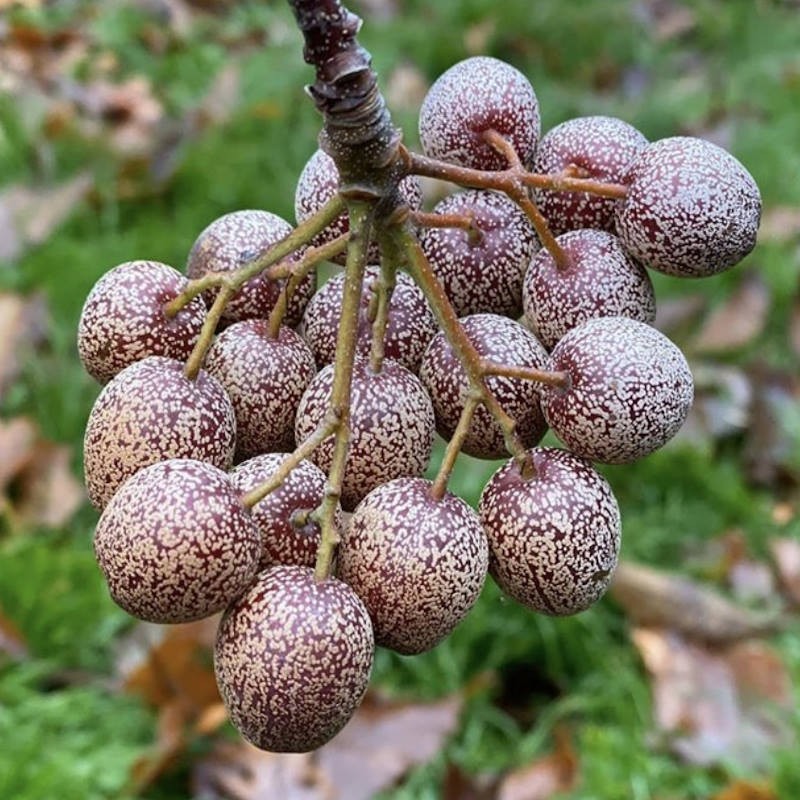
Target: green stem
{"type": "Point", "coordinates": [560, 380]}
{"type": "Point", "coordinates": [361, 214]}
{"type": "Point", "coordinates": [195, 361]}
{"type": "Point", "coordinates": [439, 486]}
{"type": "Point", "coordinates": [383, 292]}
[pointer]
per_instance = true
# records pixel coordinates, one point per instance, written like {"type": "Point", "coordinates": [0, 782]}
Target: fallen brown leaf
{"type": "Point", "coordinates": [786, 557]}
{"type": "Point", "coordinates": [779, 224]}
{"type": "Point", "coordinates": [23, 323]}
{"type": "Point", "coordinates": [17, 444]}
{"type": "Point", "coordinates": [658, 599]}
{"type": "Point", "coordinates": [12, 642]}
{"type": "Point", "coordinates": [747, 790]}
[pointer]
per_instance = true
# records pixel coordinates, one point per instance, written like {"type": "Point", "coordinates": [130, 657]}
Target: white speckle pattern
{"type": "Point", "coordinates": [152, 412]}
{"type": "Point", "coordinates": [284, 542]}
{"type": "Point", "coordinates": [411, 322]}
{"type": "Point", "coordinates": [630, 390]}
{"type": "Point", "coordinates": [553, 539]}
{"type": "Point", "coordinates": [123, 319]}
{"type": "Point", "coordinates": [506, 342]}
{"type": "Point", "coordinates": [417, 563]}
{"type": "Point", "coordinates": [392, 426]}
{"type": "Point", "coordinates": [601, 281]}
{"type": "Point", "coordinates": [473, 96]}
{"type": "Point", "coordinates": [230, 241]}
{"type": "Point", "coordinates": [692, 209]}
{"type": "Point", "coordinates": [293, 658]}
{"type": "Point", "coordinates": [602, 146]}
{"type": "Point", "coordinates": [265, 379]}
{"type": "Point", "coordinates": [485, 276]}
{"type": "Point", "coordinates": [175, 544]}
{"type": "Point", "coordinates": [319, 182]}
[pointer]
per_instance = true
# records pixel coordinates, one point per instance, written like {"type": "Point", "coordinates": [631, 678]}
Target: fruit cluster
{"type": "Point", "coordinates": [216, 449]}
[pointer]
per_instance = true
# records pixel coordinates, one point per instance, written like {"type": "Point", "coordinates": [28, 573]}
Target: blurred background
{"type": "Point", "coordinates": [125, 128]}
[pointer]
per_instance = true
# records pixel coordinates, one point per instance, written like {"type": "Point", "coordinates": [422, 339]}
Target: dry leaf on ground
{"type": "Point", "coordinates": [717, 706]}
{"type": "Point", "coordinates": [23, 323]}
{"type": "Point", "coordinates": [786, 557]}
{"type": "Point", "coordinates": [779, 224]}
{"type": "Point", "coordinates": [12, 642]}
{"type": "Point", "coordinates": [747, 790]}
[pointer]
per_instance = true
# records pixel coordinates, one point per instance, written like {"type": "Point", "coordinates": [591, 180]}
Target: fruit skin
{"type": "Point", "coordinates": [265, 379]}
{"type": "Point", "coordinates": [472, 97]}
{"type": "Point", "coordinates": [123, 318]}
{"type": "Point", "coordinates": [504, 341]}
{"type": "Point", "coordinates": [553, 539]}
{"type": "Point", "coordinates": [303, 490]}
{"type": "Point", "coordinates": [417, 563]}
{"type": "Point", "coordinates": [630, 390]}
{"type": "Point", "coordinates": [602, 280]}
{"type": "Point", "coordinates": [231, 240]}
{"type": "Point", "coordinates": [410, 326]}
{"type": "Point", "coordinates": [483, 276]}
{"type": "Point", "coordinates": [175, 544]}
{"type": "Point", "coordinates": [151, 412]}
{"type": "Point", "coordinates": [392, 426]}
{"type": "Point", "coordinates": [603, 147]}
{"type": "Point", "coordinates": [292, 659]}
{"type": "Point", "coordinates": [692, 209]}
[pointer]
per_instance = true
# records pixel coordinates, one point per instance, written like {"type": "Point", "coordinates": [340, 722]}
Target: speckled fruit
{"type": "Point", "coordinates": [503, 341]}
{"type": "Point", "coordinates": [692, 209]}
{"type": "Point", "coordinates": [288, 536]}
{"type": "Point", "coordinates": [265, 379]}
{"type": "Point", "coordinates": [554, 538]}
{"type": "Point", "coordinates": [293, 658]}
{"type": "Point", "coordinates": [319, 181]}
{"type": "Point", "coordinates": [418, 563]}
{"type": "Point", "coordinates": [152, 412]}
{"type": "Point", "coordinates": [473, 96]}
{"type": "Point", "coordinates": [391, 421]}
{"type": "Point", "coordinates": [230, 241]}
{"type": "Point", "coordinates": [123, 319]}
{"type": "Point", "coordinates": [484, 275]}
{"type": "Point", "coordinates": [602, 148]}
{"type": "Point", "coordinates": [602, 280]}
{"type": "Point", "coordinates": [411, 322]}
{"type": "Point", "coordinates": [630, 390]}
{"type": "Point", "coordinates": [175, 544]}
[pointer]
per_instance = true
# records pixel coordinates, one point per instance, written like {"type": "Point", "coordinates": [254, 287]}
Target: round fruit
{"type": "Point", "coordinates": [232, 240]}
{"type": "Point", "coordinates": [483, 274]}
{"type": "Point", "coordinates": [319, 182]}
{"type": "Point", "coordinates": [503, 341]}
{"type": "Point", "coordinates": [553, 538]}
{"type": "Point", "coordinates": [392, 426]}
{"type": "Point", "coordinates": [416, 561]}
{"type": "Point", "coordinates": [123, 319]}
{"type": "Point", "coordinates": [602, 280]}
{"type": "Point", "coordinates": [265, 379]}
{"type": "Point", "coordinates": [292, 658]}
{"type": "Point", "coordinates": [175, 544]}
{"type": "Point", "coordinates": [603, 149]}
{"type": "Point", "coordinates": [630, 390]}
{"type": "Point", "coordinates": [474, 96]}
{"type": "Point", "coordinates": [692, 209]}
{"type": "Point", "coordinates": [288, 536]}
{"type": "Point", "coordinates": [151, 412]}
{"type": "Point", "coordinates": [410, 327]}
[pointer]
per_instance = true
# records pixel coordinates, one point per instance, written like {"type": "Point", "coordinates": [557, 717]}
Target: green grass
{"type": "Point", "coordinates": [738, 67]}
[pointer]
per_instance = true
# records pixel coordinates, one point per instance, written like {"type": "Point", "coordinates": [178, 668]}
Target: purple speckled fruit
{"type": "Point", "coordinates": [152, 412]}
{"type": "Point", "coordinates": [392, 426]}
{"type": "Point", "coordinates": [175, 544]}
{"type": "Point", "coordinates": [265, 379]}
{"type": "Point", "coordinates": [630, 390]}
{"type": "Point", "coordinates": [484, 275]}
{"type": "Point", "coordinates": [504, 341]}
{"type": "Point", "coordinates": [553, 538]}
{"type": "Point", "coordinates": [123, 319]}
{"type": "Point", "coordinates": [601, 281]}
{"type": "Point", "coordinates": [603, 148]}
{"type": "Point", "coordinates": [288, 537]}
{"type": "Point", "coordinates": [411, 322]}
{"type": "Point", "coordinates": [231, 240]}
{"type": "Point", "coordinates": [692, 209]}
{"type": "Point", "coordinates": [418, 563]}
{"type": "Point", "coordinates": [473, 96]}
{"type": "Point", "coordinates": [292, 658]}
{"type": "Point", "coordinates": [319, 181]}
